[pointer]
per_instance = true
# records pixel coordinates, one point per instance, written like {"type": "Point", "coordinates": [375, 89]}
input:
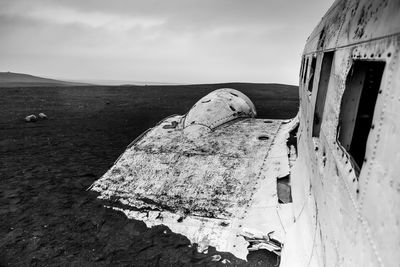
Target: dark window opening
{"type": "Point", "coordinates": [305, 71]}
{"type": "Point", "coordinates": [301, 68]}
{"type": "Point", "coordinates": [357, 108]}
{"type": "Point", "coordinates": [321, 40]}
{"type": "Point", "coordinates": [321, 94]}
{"type": "Point", "coordinates": [284, 190]}
{"type": "Point", "coordinates": [311, 76]}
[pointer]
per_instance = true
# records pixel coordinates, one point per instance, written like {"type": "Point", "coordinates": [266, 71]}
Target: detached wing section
{"type": "Point", "coordinates": [216, 185]}
{"type": "Point", "coordinates": [210, 177]}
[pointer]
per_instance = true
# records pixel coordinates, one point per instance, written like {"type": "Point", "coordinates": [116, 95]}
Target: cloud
{"type": "Point", "coordinates": [154, 40]}
{"type": "Point", "coordinates": [95, 19]}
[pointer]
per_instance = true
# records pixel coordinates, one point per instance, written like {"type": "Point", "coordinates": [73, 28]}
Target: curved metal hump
{"type": "Point", "coordinates": [216, 108]}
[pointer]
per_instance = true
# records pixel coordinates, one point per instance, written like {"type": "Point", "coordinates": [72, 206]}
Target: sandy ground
{"type": "Point", "coordinates": [48, 217]}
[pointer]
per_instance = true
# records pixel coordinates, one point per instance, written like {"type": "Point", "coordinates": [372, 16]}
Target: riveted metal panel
{"type": "Point", "coordinates": [358, 215]}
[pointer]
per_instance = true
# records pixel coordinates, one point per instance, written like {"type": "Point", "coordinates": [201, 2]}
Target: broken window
{"type": "Point", "coordinates": [321, 93]}
{"type": "Point", "coordinates": [311, 75]}
{"type": "Point", "coordinates": [357, 108]}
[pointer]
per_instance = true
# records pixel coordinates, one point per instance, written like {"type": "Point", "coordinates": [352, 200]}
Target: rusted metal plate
{"type": "Point", "coordinates": [212, 176]}
{"type": "Point", "coordinates": [357, 219]}
{"type": "Point", "coordinates": [219, 189]}
{"type": "Point", "coordinates": [351, 22]}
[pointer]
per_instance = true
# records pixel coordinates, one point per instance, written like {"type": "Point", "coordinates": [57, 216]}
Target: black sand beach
{"type": "Point", "coordinates": [47, 216]}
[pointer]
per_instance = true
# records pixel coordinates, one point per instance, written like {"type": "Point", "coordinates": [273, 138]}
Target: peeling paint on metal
{"type": "Point", "coordinates": [214, 189]}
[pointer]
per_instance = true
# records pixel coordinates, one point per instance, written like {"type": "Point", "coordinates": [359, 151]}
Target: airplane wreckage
{"type": "Point", "coordinates": [322, 189]}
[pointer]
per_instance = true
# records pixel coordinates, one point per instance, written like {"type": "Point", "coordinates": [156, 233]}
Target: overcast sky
{"type": "Point", "coordinates": [185, 41]}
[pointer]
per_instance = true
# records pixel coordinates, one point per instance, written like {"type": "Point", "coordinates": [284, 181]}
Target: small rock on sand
{"type": "Point", "coordinates": [30, 118]}
{"type": "Point", "coordinates": [42, 116]}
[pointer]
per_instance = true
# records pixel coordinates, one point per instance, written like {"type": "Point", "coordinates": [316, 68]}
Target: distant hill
{"type": "Point", "coordinates": [122, 82]}
{"type": "Point", "coordinates": [11, 79]}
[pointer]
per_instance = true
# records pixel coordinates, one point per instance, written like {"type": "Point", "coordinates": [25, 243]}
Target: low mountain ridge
{"type": "Point", "coordinates": [12, 79]}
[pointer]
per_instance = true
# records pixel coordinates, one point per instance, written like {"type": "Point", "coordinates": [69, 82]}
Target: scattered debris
{"type": "Point", "coordinates": [216, 257]}
{"type": "Point", "coordinates": [259, 241]}
{"type": "Point", "coordinates": [225, 261]}
{"type": "Point", "coordinates": [31, 118]}
{"type": "Point", "coordinates": [42, 116]}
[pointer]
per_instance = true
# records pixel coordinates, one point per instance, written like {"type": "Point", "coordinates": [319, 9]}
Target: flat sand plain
{"type": "Point", "coordinates": [47, 218]}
